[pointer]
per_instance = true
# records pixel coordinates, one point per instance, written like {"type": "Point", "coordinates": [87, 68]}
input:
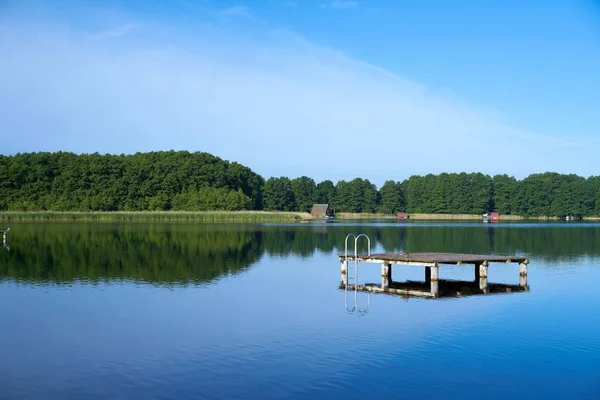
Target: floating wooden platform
{"type": "Point", "coordinates": [432, 286]}
{"type": "Point", "coordinates": [428, 259]}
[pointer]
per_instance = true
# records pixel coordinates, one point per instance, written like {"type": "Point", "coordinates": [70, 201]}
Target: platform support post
{"type": "Point", "coordinates": [523, 280]}
{"type": "Point", "coordinates": [523, 274]}
{"type": "Point", "coordinates": [483, 284]}
{"type": "Point", "coordinates": [344, 272]}
{"type": "Point", "coordinates": [483, 276]}
{"type": "Point", "coordinates": [523, 269]}
{"type": "Point", "coordinates": [435, 289]}
{"type": "Point", "coordinates": [386, 276]}
{"type": "Point", "coordinates": [483, 270]}
{"type": "Point", "coordinates": [433, 276]}
{"type": "Point", "coordinates": [386, 270]}
{"type": "Point", "coordinates": [477, 274]}
{"type": "Point", "coordinates": [435, 272]}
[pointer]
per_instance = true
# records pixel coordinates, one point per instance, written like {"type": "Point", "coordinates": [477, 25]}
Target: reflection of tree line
{"type": "Point", "coordinates": [148, 253]}
{"type": "Point", "coordinates": [199, 253]}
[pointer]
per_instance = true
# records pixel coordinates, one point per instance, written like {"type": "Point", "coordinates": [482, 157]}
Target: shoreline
{"type": "Point", "coordinates": [450, 217]}
{"type": "Point", "coordinates": [235, 216]}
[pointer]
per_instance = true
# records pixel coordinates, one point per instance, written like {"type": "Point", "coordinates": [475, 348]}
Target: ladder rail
{"type": "Point", "coordinates": [346, 245]}
{"type": "Point", "coordinates": [356, 245]}
{"type": "Point", "coordinates": [355, 307]}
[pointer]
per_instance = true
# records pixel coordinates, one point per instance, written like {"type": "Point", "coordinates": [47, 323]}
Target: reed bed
{"type": "Point", "coordinates": [347, 215]}
{"type": "Point", "coordinates": [450, 217]}
{"type": "Point", "coordinates": [157, 216]}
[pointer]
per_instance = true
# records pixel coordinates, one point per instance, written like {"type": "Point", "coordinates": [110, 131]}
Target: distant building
{"type": "Point", "coordinates": [402, 215]}
{"type": "Point", "coordinates": [321, 211]}
{"type": "Point", "coordinates": [491, 217]}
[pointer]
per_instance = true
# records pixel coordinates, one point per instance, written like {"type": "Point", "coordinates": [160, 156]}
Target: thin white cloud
{"type": "Point", "coordinates": [267, 99]}
{"type": "Point", "coordinates": [236, 10]}
{"type": "Point", "coordinates": [341, 4]}
{"type": "Point", "coordinates": [120, 31]}
{"type": "Point", "coordinates": [239, 12]}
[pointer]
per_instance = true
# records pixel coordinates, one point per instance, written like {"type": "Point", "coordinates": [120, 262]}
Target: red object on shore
{"type": "Point", "coordinates": [402, 216]}
{"type": "Point", "coordinates": [494, 216]}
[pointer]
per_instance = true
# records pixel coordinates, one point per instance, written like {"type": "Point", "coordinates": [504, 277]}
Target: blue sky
{"type": "Point", "coordinates": [329, 89]}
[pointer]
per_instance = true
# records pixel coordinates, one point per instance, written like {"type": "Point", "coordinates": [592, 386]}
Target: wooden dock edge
{"type": "Point", "coordinates": [431, 265]}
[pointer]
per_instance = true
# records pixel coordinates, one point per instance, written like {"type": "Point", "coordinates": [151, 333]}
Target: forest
{"type": "Point", "coordinates": [184, 181]}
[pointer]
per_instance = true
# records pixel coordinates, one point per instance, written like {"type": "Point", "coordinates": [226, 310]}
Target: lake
{"type": "Point", "coordinates": [224, 311]}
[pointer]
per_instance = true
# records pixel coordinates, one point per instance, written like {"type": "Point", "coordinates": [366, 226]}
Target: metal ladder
{"type": "Point", "coordinates": [355, 306]}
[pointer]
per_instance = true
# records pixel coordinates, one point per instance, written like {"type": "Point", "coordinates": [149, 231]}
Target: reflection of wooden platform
{"type": "Point", "coordinates": [432, 285]}
{"type": "Point", "coordinates": [446, 288]}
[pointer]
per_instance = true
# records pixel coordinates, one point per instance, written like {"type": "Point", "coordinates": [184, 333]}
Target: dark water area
{"type": "Point", "coordinates": [226, 311]}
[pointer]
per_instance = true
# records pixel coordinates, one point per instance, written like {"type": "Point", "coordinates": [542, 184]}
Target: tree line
{"type": "Point", "coordinates": [170, 180]}
{"type": "Point", "coordinates": [142, 181]}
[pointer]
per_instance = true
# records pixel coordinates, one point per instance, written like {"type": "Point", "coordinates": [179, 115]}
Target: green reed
{"type": "Point", "coordinates": [156, 216]}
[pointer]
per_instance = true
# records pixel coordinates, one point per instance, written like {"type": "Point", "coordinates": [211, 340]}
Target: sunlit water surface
{"type": "Point", "coordinates": [175, 311]}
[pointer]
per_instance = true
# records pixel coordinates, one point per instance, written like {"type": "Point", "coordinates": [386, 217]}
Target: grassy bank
{"type": "Point", "coordinates": [345, 215]}
{"type": "Point", "coordinates": [157, 216]}
{"type": "Point", "coordinates": [413, 216]}
{"type": "Point", "coordinates": [465, 217]}
{"type": "Point", "coordinates": [449, 217]}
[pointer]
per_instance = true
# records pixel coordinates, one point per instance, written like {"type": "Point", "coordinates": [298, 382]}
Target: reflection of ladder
{"type": "Point", "coordinates": [352, 308]}
{"type": "Point", "coordinates": [4, 233]}
{"type": "Point", "coordinates": [354, 278]}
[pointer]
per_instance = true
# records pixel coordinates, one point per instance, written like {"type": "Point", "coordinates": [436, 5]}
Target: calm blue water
{"type": "Point", "coordinates": [117, 311]}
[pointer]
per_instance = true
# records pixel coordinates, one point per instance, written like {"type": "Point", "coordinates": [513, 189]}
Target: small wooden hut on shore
{"type": "Point", "coordinates": [321, 211]}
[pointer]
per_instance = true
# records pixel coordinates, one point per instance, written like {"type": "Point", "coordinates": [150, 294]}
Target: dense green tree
{"type": "Point", "coordinates": [370, 195]}
{"type": "Point", "coordinates": [482, 193]}
{"type": "Point", "coordinates": [505, 191]}
{"type": "Point", "coordinates": [358, 195]}
{"type": "Point", "coordinates": [594, 188]}
{"type": "Point", "coordinates": [209, 199]}
{"type": "Point", "coordinates": [391, 197]}
{"type": "Point", "coordinates": [538, 190]}
{"type": "Point", "coordinates": [325, 192]}
{"type": "Point", "coordinates": [597, 207]}
{"type": "Point", "coordinates": [415, 194]}
{"type": "Point", "coordinates": [342, 196]}
{"type": "Point", "coordinates": [278, 195]}
{"type": "Point", "coordinates": [402, 191]}
{"type": "Point", "coordinates": [449, 193]}
{"type": "Point", "coordinates": [304, 189]}
{"type": "Point", "coordinates": [241, 177]}
{"type": "Point", "coordinates": [440, 195]}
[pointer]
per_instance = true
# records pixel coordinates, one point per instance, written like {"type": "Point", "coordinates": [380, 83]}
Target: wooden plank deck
{"type": "Point", "coordinates": [435, 258]}
{"type": "Point", "coordinates": [432, 263]}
